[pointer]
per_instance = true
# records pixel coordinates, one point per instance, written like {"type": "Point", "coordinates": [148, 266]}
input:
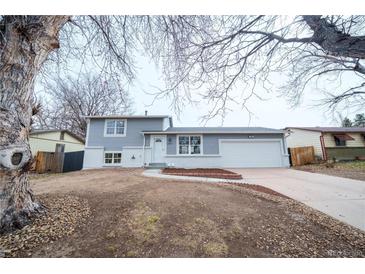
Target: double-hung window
{"type": "Point", "coordinates": [115, 127]}
{"type": "Point", "coordinates": [189, 144]}
{"type": "Point", "coordinates": [111, 158]}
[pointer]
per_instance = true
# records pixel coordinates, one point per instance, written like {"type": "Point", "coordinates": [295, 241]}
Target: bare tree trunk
{"type": "Point", "coordinates": [25, 43]}
{"type": "Point", "coordinates": [334, 41]}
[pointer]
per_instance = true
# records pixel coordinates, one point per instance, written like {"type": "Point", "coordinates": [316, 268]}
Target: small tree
{"type": "Point", "coordinates": [359, 120]}
{"type": "Point", "coordinates": [346, 122]}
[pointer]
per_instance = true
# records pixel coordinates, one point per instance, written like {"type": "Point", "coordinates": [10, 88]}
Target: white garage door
{"type": "Point", "coordinates": [253, 153]}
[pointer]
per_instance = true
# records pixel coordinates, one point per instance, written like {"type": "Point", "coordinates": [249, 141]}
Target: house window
{"type": "Point", "coordinates": [112, 158]}
{"type": "Point", "coordinates": [339, 142]}
{"type": "Point", "coordinates": [189, 144]}
{"type": "Point", "coordinates": [62, 135]}
{"type": "Point", "coordinates": [115, 127]}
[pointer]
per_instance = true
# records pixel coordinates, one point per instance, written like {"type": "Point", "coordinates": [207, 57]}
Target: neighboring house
{"type": "Point", "coordinates": [53, 140]}
{"type": "Point", "coordinates": [137, 141]}
{"type": "Point", "coordinates": [342, 143]}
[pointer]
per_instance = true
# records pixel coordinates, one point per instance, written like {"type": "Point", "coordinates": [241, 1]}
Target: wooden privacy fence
{"type": "Point", "coordinates": [301, 155]}
{"type": "Point", "coordinates": [56, 162]}
{"type": "Point", "coordinates": [49, 162]}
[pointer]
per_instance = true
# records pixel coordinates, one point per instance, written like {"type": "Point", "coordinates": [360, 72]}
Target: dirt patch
{"type": "Point", "coordinates": [203, 172]}
{"type": "Point", "coordinates": [352, 170]}
{"type": "Point", "coordinates": [64, 215]}
{"type": "Point", "coordinates": [136, 216]}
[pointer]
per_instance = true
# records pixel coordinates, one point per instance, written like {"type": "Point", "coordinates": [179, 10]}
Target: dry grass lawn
{"type": "Point", "coordinates": [134, 216]}
{"type": "Point", "coordinates": [353, 170]}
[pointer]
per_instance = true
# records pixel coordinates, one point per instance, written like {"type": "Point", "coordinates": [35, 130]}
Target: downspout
{"type": "Point", "coordinates": [324, 152]}
{"type": "Point", "coordinates": [87, 132]}
{"type": "Point", "coordinates": [144, 144]}
{"type": "Point", "coordinates": [286, 134]}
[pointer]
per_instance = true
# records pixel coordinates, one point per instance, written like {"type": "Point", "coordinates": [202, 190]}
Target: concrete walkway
{"type": "Point", "coordinates": [341, 198]}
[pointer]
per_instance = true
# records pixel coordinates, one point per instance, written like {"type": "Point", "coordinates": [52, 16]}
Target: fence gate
{"type": "Point", "coordinates": [301, 155]}
{"type": "Point", "coordinates": [49, 162]}
{"type": "Point", "coordinates": [73, 161]}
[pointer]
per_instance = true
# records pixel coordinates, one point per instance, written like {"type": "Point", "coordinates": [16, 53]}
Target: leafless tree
{"type": "Point", "coordinates": [71, 98]}
{"type": "Point", "coordinates": [217, 55]}
{"type": "Point", "coordinates": [26, 46]}
{"type": "Point", "coordinates": [227, 58]}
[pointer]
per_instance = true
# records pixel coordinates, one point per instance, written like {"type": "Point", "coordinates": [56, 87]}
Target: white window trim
{"type": "Point", "coordinates": [113, 164]}
{"type": "Point", "coordinates": [115, 135]}
{"type": "Point", "coordinates": [189, 154]}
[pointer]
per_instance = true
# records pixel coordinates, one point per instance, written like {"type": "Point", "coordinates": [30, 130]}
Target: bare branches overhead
{"type": "Point", "coordinates": [232, 58]}
{"type": "Point", "coordinates": [71, 98]}
{"type": "Point", "coordinates": [222, 59]}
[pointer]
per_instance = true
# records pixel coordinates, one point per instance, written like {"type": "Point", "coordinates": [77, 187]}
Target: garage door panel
{"type": "Point", "coordinates": [251, 153]}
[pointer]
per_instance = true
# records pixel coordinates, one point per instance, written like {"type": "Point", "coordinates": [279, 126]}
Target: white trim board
{"type": "Point", "coordinates": [87, 132]}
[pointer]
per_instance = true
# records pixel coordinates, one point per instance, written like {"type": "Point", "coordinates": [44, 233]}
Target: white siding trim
{"type": "Point", "coordinates": [93, 157]}
{"type": "Point", "coordinates": [87, 132]}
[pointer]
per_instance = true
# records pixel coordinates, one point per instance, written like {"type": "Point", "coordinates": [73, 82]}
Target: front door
{"type": "Point", "coordinates": [158, 148]}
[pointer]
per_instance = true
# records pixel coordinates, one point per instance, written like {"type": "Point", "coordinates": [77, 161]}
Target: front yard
{"type": "Point", "coordinates": [120, 213]}
{"type": "Point", "coordinates": [353, 170]}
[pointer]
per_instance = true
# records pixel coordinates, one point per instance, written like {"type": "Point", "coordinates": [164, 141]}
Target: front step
{"type": "Point", "coordinates": [156, 165]}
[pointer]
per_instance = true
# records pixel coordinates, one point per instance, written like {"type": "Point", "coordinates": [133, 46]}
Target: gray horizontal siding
{"type": "Point", "coordinates": [171, 144]}
{"type": "Point", "coordinates": [211, 141]}
{"type": "Point", "coordinates": [132, 138]}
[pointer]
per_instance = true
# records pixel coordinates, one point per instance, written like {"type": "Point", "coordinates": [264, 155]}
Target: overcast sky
{"type": "Point", "coordinates": [274, 112]}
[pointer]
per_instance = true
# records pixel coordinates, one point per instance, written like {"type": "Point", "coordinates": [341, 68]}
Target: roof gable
{"type": "Point", "coordinates": [40, 131]}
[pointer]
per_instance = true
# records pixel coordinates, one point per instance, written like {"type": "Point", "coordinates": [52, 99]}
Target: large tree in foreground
{"type": "Point", "coordinates": [25, 43]}
{"type": "Point", "coordinates": [217, 55]}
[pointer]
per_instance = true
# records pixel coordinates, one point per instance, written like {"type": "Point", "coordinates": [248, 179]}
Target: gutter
{"type": "Point", "coordinates": [213, 132]}
{"type": "Point", "coordinates": [144, 144]}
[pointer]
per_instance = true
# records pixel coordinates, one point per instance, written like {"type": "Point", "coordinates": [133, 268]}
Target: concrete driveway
{"type": "Point", "coordinates": [341, 198]}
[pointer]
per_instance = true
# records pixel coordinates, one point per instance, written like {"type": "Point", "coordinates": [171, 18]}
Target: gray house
{"type": "Point", "coordinates": [138, 141]}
